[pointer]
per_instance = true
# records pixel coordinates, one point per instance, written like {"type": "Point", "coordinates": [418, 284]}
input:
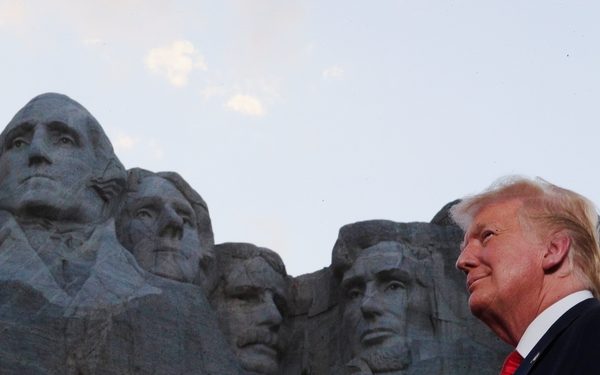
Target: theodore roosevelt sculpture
{"type": "Point", "coordinates": [76, 300]}
{"type": "Point", "coordinates": [250, 301]}
{"type": "Point", "coordinates": [166, 226]}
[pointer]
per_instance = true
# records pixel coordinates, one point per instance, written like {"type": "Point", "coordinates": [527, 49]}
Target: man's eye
{"type": "Point", "coordinates": [66, 140]}
{"type": "Point", "coordinates": [18, 143]}
{"type": "Point", "coordinates": [246, 297]}
{"type": "Point", "coordinates": [143, 213]}
{"type": "Point", "coordinates": [354, 293]}
{"type": "Point", "coordinates": [486, 235]}
{"type": "Point", "coordinates": [394, 285]}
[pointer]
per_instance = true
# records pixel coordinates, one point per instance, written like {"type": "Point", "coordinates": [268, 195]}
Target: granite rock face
{"type": "Point", "coordinates": [74, 300]}
{"type": "Point", "coordinates": [107, 271]}
{"type": "Point", "coordinates": [251, 301]}
{"type": "Point", "coordinates": [395, 286]}
{"type": "Point", "coordinates": [165, 224]}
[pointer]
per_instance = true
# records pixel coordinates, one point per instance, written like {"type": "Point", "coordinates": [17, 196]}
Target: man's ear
{"type": "Point", "coordinates": [557, 250]}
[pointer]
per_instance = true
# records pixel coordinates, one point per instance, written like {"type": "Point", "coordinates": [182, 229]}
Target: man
{"type": "Point", "coordinates": [166, 226]}
{"type": "Point", "coordinates": [382, 291]}
{"type": "Point", "coordinates": [56, 163]}
{"type": "Point", "coordinates": [250, 300]}
{"type": "Point", "coordinates": [74, 301]}
{"type": "Point", "coordinates": [532, 261]}
{"type": "Point", "coordinates": [59, 185]}
{"type": "Point", "coordinates": [60, 262]}
{"type": "Point", "coordinates": [375, 307]}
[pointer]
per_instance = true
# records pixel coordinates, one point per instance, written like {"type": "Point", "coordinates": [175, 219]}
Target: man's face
{"type": "Point", "coordinates": [503, 262]}
{"type": "Point", "coordinates": [160, 230]}
{"type": "Point", "coordinates": [250, 311]}
{"type": "Point", "coordinates": [375, 302]}
{"type": "Point", "coordinates": [47, 163]}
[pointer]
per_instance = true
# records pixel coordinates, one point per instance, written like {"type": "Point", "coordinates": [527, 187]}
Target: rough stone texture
{"type": "Point", "coordinates": [251, 300]}
{"type": "Point", "coordinates": [79, 297]}
{"type": "Point", "coordinates": [441, 334]}
{"type": "Point", "coordinates": [74, 300]}
{"type": "Point", "coordinates": [166, 226]}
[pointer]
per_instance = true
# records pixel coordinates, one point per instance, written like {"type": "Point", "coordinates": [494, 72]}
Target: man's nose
{"type": "Point", "coordinates": [269, 313]}
{"type": "Point", "coordinates": [38, 151]}
{"type": "Point", "coordinates": [171, 223]}
{"type": "Point", "coordinates": [467, 258]}
{"type": "Point", "coordinates": [371, 304]}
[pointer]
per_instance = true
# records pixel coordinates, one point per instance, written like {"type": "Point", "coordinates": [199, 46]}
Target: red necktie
{"type": "Point", "coordinates": [511, 364]}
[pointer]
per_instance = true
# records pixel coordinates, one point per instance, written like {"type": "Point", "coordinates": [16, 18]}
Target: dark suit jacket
{"type": "Point", "coordinates": [571, 345]}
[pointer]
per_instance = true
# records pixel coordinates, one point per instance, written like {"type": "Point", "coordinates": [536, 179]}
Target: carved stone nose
{"type": "Point", "coordinates": [270, 314]}
{"type": "Point", "coordinates": [38, 153]}
{"type": "Point", "coordinates": [370, 304]}
{"type": "Point", "coordinates": [171, 224]}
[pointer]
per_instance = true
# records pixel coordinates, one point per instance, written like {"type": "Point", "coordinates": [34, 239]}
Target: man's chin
{"type": "Point", "coordinates": [478, 305]}
{"type": "Point", "coordinates": [256, 361]}
{"type": "Point", "coordinates": [388, 359]}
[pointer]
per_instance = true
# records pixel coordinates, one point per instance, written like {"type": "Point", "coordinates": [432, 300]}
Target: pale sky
{"type": "Point", "coordinates": [293, 118]}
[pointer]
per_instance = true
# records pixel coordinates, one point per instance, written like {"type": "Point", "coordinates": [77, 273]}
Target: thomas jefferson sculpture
{"type": "Point", "coordinates": [166, 226]}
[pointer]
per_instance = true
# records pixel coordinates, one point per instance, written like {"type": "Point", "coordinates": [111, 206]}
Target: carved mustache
{"type": "Point", "coordinates": [258, 336]}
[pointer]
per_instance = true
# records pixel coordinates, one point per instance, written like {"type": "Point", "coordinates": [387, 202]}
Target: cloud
{"type": "Point", "coordinates": [230, 95]}
{"type": "Point", "coordinates": [125, 142]}
{"type": "Point", "coordinates": [12, 13]}
{"type": "Point", "coordinates": [176, 62]}
{"type": "Point", "coordinates": [112, 20]}
{"type": "Point", "coordinates": [246, 105]}
{"type": "Point", "coordinates": [334, 72]}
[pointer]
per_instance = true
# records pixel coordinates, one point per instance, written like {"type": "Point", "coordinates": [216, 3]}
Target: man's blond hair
{"type": "Point", "coordinates": [548, 208]}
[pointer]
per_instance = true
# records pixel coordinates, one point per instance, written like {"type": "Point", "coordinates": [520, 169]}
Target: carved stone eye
{"type": "Point", "coordinates": [143, 213]}
{"type": "Point", "coordinates": [66, 141]}
{"type": "Point", "coordinates": [18, 143]}
{"type": "Point", "coordinates": [354, 293]}
{"type": "Point", "coordinates": [247, 297]}
{"type": "Point", "coordinates": [394, 285]}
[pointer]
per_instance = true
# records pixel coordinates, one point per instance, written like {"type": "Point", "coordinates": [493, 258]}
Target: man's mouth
{"type": "Point", "coordinates": [265, 343]}
{"type": "Point", "coordinates": [472, 280]}
{"type": "Point", "coordinates": [166, 247]}
{"type": "Point", "coordinates": [37, 175]}
{"type": "Point", "coordinates": [376, 335]}
{"type": "Point", "coordinates": [263, 348]}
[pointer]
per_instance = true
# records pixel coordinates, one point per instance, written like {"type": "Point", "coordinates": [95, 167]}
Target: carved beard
{"type": "Point", "coordinates": [387, 359]}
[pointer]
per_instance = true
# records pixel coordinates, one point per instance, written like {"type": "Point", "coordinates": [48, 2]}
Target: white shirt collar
{"type": "Point", "coordinates": [542, 323]}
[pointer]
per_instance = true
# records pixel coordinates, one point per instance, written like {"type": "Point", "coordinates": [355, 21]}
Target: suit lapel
{"type": "Point", "coordinates": [539, 350]}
